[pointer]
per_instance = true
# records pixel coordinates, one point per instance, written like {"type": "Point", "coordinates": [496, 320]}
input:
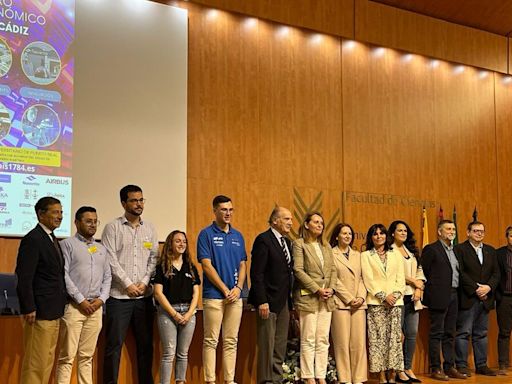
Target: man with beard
{"type": "Point", "coordinates": [133, 245]}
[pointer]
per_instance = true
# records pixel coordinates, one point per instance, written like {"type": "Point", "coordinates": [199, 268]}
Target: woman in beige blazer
{"type": "Point", "coordinates": [315, 281]}
{"type": "Point", "coordinates": [348, 328]}
{"type": "Point", "coordinates": [383, 276]}
{"type": "Point", "coordinates": [402, 241]}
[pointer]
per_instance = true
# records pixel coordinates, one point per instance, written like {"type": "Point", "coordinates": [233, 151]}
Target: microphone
{"type": "Point", "coordinates": [6, 310]}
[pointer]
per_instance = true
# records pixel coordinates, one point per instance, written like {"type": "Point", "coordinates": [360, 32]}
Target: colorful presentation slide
{"type": "Point", "coordinates": [36, 110]}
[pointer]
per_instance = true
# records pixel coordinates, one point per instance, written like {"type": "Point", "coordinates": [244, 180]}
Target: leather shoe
{"type": "Point", "coordinates": [464, 370]}
{"type": "Point", "coordinates": [485, 370]}
{"type": "Point", "coordinates": [438, 375]}
{"type": "Point", "coordinates": [503, 371]}
{"type": "Point", "coordinates": [454, 374]}
{"type": "Point", "coordinates": [398, 379]}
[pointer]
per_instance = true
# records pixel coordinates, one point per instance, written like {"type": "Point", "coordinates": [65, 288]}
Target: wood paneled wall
{"type": "Point", "coordinates": [282, 115]}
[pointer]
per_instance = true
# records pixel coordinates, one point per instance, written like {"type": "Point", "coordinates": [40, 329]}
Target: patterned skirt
{"type": "Point", "coordinates": [384, 338]}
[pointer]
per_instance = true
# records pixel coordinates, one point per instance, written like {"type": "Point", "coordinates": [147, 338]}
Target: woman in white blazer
{"type": "Point", "coordinates": [315, 281]}
{"type": "Point", "coordinates": [383, 276]}
{"type": "Point", "coordinates": [348, 327]}
{"type": "Point", "coordinates": [402, 241]}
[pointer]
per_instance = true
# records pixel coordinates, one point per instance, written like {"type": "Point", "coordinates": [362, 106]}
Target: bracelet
{"type": "Point", "coordinates": [236, 286]}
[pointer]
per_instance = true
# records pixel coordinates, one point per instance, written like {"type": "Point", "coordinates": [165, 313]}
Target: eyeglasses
{"type": "Point", "coordinates": [478, 230]}
{"type": "Point", "coordinates": [92, 223]}
{"type": "Point", "coordinates": [141, 201]}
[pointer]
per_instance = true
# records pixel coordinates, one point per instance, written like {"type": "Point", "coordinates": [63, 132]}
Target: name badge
{"type": "Point", "coordinates": [92, 249]}
{"type": "Point", "coordinates": [147, 245]}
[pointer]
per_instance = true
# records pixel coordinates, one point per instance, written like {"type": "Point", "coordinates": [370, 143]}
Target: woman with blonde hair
{"type": "Point", "coordinates": [315, 281]}
{"type": "Point", "coordinates": [176, 292]}
{"type": "Point", "coordinates": [348, 327]}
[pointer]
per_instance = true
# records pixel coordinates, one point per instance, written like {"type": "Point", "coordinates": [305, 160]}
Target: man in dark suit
{"type": "Point", "coordinates": [41, 291]}
{"type": "Point", "coordinates": [504, 302]}
{"type": "Point", "coordinates": [441, 269]}
{"type": "Point", "coordinates": [479, 277]}
{"type": "Point", "coordinates": [271, 283]}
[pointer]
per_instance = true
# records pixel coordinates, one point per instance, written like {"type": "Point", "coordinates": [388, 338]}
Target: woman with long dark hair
{"type": "Point", "coordinates": [348, 328]}
{"type": "Point", "coordinates": [402, 240]}
{"type": "Point", "coordinates": [176, 292]}
{"type": "Point", "coordinates": [383, 276]}
{"type": "Point", "coordinates": [315, 281]}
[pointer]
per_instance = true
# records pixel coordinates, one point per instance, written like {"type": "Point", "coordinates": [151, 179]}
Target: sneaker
{"type": "Point", "coordinates": [485, 370]}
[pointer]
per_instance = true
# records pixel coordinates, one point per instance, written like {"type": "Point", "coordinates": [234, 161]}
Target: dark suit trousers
{"type": "Point", "coordinates": [442, 334]}
{"type": "Point", "coordinates": [272, 338]}
{"type": "Point", "coordinates": [120, 314]}
{"type": "Point", "coordinates": [504, 315]}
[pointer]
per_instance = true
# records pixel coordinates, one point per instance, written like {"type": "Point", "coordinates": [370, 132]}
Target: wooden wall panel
{"type": "Point", "coordinates": [395, 28]}
{"type": "Point", "coordinates": [335, 17]}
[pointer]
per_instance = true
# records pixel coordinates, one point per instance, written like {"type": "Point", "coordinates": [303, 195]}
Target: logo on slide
{"type": "Point", "coordinates": [5, 178]}
{"type": "Point", "coordinates": [30, 180]}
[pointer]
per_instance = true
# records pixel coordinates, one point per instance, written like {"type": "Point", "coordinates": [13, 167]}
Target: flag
{"type": "Point", "coordinates": [454, 219]}
{"type": "Point", "coordinates": [440, 215]}
{"type": "Point", "coordinates": [475, 214]}
{"type": "Point", "coordinates": [424, 228]}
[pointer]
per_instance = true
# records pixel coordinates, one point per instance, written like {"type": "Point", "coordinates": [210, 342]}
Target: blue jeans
{"type": "Point", "coordinates": [175, 340]}
{"type": "Point", "coordinates": [472, 322]}
{"type": "Point", "coordinates": [410, 320]}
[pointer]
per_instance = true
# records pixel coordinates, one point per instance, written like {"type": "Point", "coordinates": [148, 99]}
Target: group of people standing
{"type": "Point", "coordinates": [334, 289]}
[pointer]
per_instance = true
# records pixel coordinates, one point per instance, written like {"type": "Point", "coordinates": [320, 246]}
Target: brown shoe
{"type": "Point", "coordinates": [465, 371]}
{"type": "Point", "coordinates": [454, 374]}
{"type": "Point", "coordinates": [438, 375]}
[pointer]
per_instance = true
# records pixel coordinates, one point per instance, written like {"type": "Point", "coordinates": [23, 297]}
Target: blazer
{"type": "Point", "coordinates": [501, 255]}
{"type": "Point", "coordinates": [40, 273]}
{"type": "Point", "coordinates": [349, 284]}
{"type": "Point", "coordinates": [416, 273]}
{"type": "Point", "coordinates": [271, 276]}
{"type": "Point", "coordinates": [438, 271]}
{"type": "Point", "coordinates": [472, 272]}
{"type": "Point", "coordinates": [377, 279]}
{"type": "Point", "coordinates": [310, 276]}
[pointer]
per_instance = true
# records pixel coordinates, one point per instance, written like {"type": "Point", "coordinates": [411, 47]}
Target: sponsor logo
{"type": "Point", "coordinates": [56, 195]}
{"type": "Point", "coordinates": [6, 224]}
{"type": "Point", "coordinates": [57, 181]}
{"type": "Point", "coordinates": [25, 205]}
{"type": "Point", "coordinates": [30, 194]}
{"type": "Point", "coordinates": [5, 178]}
{"type": "Point", "coordinates": [27, 225]}
{"type": "Point", "coordinates": [3, 208]}
{"type": "Point", "coordinates": [30, 180]}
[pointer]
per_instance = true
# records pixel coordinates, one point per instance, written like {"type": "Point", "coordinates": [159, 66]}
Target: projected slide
{"type": "Point", "coordinates": [36, 109]}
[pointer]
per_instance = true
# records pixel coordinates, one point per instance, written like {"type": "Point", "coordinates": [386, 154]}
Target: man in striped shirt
{"type": "Point", "coordinates": [133, 245]}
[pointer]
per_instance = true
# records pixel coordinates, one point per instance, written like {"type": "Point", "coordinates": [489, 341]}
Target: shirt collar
{"type": "Point", "coordinates": [216, 228]}
{"type": "Point", "coordinates": [276, 234]}
{"type": "Point", "coordinates": [480, 246]}
{"type": "Point", "coordinates": [124, 220]}
{"type": "Point", "coordinates": [83, 239]}
{"type": "Point", "coordinates": [446, 247]}
{"type": "Point", "coordinates": [46, 229]}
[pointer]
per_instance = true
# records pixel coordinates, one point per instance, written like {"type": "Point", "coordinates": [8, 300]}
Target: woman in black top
{"type": "Point", "coordinates": [176, 292]}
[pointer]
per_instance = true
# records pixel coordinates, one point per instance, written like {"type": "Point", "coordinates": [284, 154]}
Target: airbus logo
{"type": "Point", "coordinates": [57, 181]}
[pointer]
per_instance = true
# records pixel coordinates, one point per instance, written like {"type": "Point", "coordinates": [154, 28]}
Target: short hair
{"type": "Point", "coordinates": [80, 212]}
{"type": "Point", "coordinates": [371, 232]}
{"type": "Point", "coordinates": [217, 200]}
{"type": "Point", "coordinates": [333, 239]}
{"type": "Point", "coordinates": [303, 232]}
{"type": "Point", "coordinates": [123, 193]}
{"type": "Point", "coordinates": [443, 222]}
{"type": "Point", "coordinates": [274, 214]}
{"type": "Point", "coordinates": [508, 230]}
{"type": "Point", "coordinates": [473, 223]}
{"type": "Point", "coordinates": [44, 203]}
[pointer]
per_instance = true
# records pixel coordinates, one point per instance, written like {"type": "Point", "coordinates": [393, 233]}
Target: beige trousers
{"type": "Point", "coordinates": [39, 342]}
{"type": "Point", "coordinates": [78, 334]}
{"type": "Point", "coordinates": [348, 332]}
{"type": "Point", "coordinates": [217, 314]}
{"type": "Point", "coordinates": [314, 342]}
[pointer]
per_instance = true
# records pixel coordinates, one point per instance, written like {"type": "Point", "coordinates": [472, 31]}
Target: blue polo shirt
{"type": "Point", "coordinates": [226, 251]}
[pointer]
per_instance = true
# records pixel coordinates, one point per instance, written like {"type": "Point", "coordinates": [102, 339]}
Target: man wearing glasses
{"type": "Point", "coordinates": [87, 275]}
{"type": "Point", "coordinates": [133, 246]}
{"type": "Point", "coordinates": [479, 277]}
{"type": "Point", "coordinates": [221, 252]}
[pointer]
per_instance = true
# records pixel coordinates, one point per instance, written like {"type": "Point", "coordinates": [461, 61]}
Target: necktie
{"type": "Point", "coordinates": [57, 246]}
{"type": "Point", "coordinates": [285, 251]}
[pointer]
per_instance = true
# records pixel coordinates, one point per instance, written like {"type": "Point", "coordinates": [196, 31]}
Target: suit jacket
{"type": "Point", "coordinates": [377, 279]}
{"type": "Point", "coordinates": [350, 283]}
{"type": "Point", "coordinates": [438, 271]}
{"type": "Point", "coordinates": [501, 255]}
{"type": "Point", "coordinates": [472, 272]}
{"type": "Point", "coordinates": [40, 273]}
{"type": "Point", "coordinates": [271, 276]}
{"type": "Point", "coordinates": [310, 276]}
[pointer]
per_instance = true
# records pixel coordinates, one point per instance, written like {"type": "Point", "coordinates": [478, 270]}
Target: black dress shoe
{"type": "Point", "coordinates": [400, 380]}
{"type": "Point", "coordinates": [486, 371]}
{"type": "Point", "coordinates": [413, 379]}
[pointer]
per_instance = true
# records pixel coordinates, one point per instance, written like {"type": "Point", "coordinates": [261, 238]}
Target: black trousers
{"type": "Point", "coordinates": [504, 315]}
{"type": "Point", "coordinates": [442, 334]}
{"type": "Point", "coordinates": [120, 314]}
